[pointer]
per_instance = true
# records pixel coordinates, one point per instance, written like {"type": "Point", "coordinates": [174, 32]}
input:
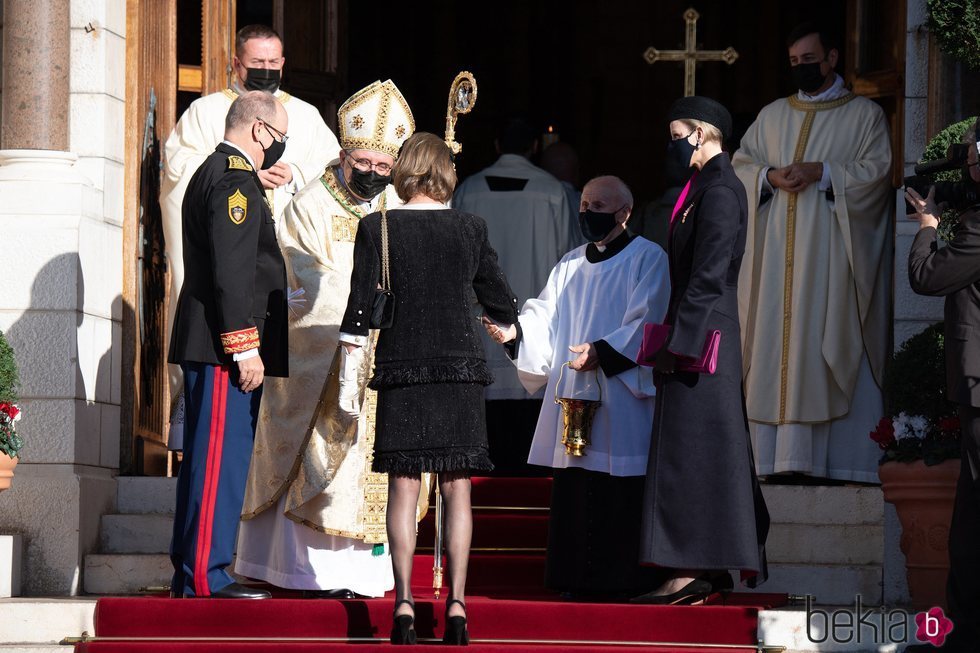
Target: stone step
{"type": "Point", "coordinates": [148, 533]}
{"type": "Point", "coordinates": [789, 627]}
{"type": "Point", "coordinates": [828, 584]}
{"type": "Point", "coordinates": [146, 495]}
{"type": "Point", "coordinates": [819, 504]}
{"type": "Point", "coordinates": [836, 544]}
{"type": "Point", "coordinates": [126, 573]}
{"type": "Point", "coordinates": [35, 624]}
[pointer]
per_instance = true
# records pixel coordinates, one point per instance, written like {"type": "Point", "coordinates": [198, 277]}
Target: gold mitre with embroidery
{"type": "Point", "coordinates": [375, 118]}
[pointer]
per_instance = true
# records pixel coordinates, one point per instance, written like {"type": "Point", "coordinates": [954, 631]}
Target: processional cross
{"type": "Point", "coordinates": [690, 55]}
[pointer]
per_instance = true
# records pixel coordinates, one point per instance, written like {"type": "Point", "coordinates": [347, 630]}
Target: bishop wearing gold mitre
{"type": "Point", "coordinates": [314, 511]}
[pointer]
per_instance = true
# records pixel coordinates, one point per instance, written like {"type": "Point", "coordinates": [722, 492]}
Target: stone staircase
{"type": "Point", "coordinates": [825, 541]}
{"type": "Point", "coordinates": [133, 542]}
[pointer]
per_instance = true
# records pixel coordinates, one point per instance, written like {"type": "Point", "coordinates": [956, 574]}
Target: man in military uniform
{"type": "Point", "coordinates": [318, 524]}
{"type": "Point", "coordinates": [229, 333]}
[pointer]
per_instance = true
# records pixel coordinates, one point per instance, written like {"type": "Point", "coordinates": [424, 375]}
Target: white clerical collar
{"type": "Point", "coordinates": [424, 206]}
{"type": "Point", "coordinates": [835, 91]}
{"type": "Point", "coordinates": [238, 149]}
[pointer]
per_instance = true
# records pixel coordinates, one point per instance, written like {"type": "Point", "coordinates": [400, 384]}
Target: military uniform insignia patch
{"type": "Point", "coordinates": [237, 207]}
{"type": "Point", "coordinates": [238, 163]}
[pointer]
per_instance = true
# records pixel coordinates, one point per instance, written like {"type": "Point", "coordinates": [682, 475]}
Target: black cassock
{"type": "Point", "coordinates": [703, 508]}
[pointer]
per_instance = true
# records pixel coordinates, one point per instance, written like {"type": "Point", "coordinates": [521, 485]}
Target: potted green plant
{"type": "Point", "coordinates": [10, 442]}
{"type": "Point", "coordinates": [920, 465]}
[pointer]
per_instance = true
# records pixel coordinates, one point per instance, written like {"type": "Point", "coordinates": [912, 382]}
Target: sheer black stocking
{"type": "Point", "coordinates": [403, 496]}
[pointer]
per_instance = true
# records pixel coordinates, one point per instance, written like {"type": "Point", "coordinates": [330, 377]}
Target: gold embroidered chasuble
{"type": "Point", "coordinates": [815, 283]}
{"type": "Point", "coordinates": [325, 474]}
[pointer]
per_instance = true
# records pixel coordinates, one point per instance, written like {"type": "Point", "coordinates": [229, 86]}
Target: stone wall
{"type": "Point", "coordinates": [913, 312]}
{"type": "Point", "coordinates": [61, 307]}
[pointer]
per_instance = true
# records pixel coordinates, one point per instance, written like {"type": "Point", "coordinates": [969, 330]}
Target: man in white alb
{"type": "Point", "coordinates": [815, 285]}
{"type": "Point", "coordinates": [258, 65]}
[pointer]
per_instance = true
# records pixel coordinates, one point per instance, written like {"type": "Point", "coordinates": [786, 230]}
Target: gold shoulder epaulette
{"type": "Point", "coordinates": [236, 162]}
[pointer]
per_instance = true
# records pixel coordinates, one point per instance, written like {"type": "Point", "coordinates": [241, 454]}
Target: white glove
{"type": "Point", "coordinates": [350, 363]}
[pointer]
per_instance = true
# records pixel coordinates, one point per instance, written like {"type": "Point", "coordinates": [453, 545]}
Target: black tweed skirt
{"type": "Point", "coordinates": [431, 427]}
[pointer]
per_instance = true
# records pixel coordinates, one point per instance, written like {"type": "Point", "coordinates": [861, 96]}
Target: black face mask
{"type": "Point", "coordinates": [680, 151]}
{"type": "Point", "coordinates": [596, 226]}
{"type": "Point", "coordinates": [272, 153]}
{"type": "Point", "coordinates": [367, 184]}
{"type": "Point", "coordinates": [808, 77]}
{"type": "Point", "coordinates": [262, 79]}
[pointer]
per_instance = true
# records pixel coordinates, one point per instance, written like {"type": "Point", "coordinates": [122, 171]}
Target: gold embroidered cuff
{"type": "Point", "coordinates": [235, 342]}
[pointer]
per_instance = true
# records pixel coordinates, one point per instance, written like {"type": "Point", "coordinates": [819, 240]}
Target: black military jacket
{"type": "Point", "coordinates": [234, 293]}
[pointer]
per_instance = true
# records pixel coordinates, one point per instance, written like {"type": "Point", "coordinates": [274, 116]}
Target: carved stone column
{"type": "Point", "coordinates": [35, 75]}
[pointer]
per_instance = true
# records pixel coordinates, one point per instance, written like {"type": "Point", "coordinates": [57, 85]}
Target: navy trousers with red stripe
{"type": "Point", "coordinates": [218, 436]}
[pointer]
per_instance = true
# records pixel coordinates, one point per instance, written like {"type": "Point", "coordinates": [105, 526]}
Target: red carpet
{"type": "Point", "coordinates": [508, 608]}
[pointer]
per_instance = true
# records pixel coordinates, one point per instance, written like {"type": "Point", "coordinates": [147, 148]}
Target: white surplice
{"type": "Point", "coordinates": [530, 229]}
{"type": "Point", "coordinates": [584, 302]}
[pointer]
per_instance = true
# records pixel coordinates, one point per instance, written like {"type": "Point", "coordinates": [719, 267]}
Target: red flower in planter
{"type": "Point", "coordinates": [950, 426]}
{"type": "Point", "coordinates": [9, 410]}
{"type": "Point", "coordinates": [884, 433]}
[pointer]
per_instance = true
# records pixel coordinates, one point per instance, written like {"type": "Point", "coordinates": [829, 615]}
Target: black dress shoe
{"type": "Point", "coordinates": [697, 590]}
{"type": "Point", "coordinates": [332, 594]}
{"type": "Point", "coordinates": [239, 591]}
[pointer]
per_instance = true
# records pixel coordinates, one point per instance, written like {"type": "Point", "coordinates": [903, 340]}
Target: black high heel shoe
{"type": "Point", "coordinates": [695, 591]}
{"type": "Point", "coordinates": [403, 630]}
{"type": "Point", "coordinates": [456, 633]}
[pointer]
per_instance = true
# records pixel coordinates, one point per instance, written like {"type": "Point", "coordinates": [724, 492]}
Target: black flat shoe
{"type": "Point", "coordinates": [239, 591]}
{"type": "Point", "coordinates": [455, 633]}
{"type": "Point", "coordinates": [403, 630]}
{"type": "Point", "coordinates": [695, 591]}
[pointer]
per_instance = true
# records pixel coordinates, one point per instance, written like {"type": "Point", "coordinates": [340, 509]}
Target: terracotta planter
{"type": "Point", "coordinates": [7, 465]}
{"type": "Point", "coordinates": [923, 498]}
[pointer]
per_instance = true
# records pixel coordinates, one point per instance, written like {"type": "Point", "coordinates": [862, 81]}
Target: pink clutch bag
{"type": "Point", "coordinates": [654, 337]}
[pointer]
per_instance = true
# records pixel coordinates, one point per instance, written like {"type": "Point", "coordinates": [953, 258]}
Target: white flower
{"type": "Point", "coordinates": [919, 426]}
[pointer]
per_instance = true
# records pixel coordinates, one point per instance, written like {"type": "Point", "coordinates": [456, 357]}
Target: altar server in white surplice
{"type": "Point", "coordinates": [591, 313]}
{"type": "Point", "coordinates": [258, 64]}
{"type": "Point", "coordinates": [814, 290]}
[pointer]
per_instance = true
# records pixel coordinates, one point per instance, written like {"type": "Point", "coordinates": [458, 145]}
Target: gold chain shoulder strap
{"type": "Point", "coordinates": [385, 272]}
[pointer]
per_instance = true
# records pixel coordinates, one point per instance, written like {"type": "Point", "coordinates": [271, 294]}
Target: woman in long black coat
{"type": "Point", "coordinates": [430, 368]}
{"type": "Point", "coordinates": [704, 513]}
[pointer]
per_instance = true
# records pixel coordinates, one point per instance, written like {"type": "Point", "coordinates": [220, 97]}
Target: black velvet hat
{"type": "Point", "coordinates": [696, 107]}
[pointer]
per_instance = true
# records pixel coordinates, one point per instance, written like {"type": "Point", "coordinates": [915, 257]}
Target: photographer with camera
{"type": "Point", "coordinates": [953, 272]}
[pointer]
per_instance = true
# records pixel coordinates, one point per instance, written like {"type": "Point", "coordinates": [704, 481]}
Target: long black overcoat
{"type": "Point", "coordinates": [703, 508]}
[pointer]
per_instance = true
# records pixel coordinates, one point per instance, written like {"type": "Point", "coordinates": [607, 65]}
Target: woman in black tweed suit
{"type": "Point", "coordinates": [429, 365]}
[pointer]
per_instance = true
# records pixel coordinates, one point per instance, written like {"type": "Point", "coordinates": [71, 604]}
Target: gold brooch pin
{"type": "Point", "coordinates": [686, 211]}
